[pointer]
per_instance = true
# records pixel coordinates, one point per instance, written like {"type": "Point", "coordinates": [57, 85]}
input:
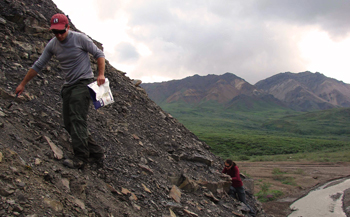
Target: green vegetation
{"type": "Point", "coordinates": [278, 175]}
{"type": "Point", "coordinates": [277, 171]}
{"type": "Point", "coordinates": [299, 171]}
{"type": "Point", "coordinates": [246, 174]}
{"type": "Point", "coordinates": [287, 180]}
{"type": "Point", "coordinates": [265, 194]}
{"type": "Point", "coordinates": [268, 135]}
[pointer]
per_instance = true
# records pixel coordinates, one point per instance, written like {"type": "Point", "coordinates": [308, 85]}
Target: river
{"type": "Point", "coordinates": [324, 201]}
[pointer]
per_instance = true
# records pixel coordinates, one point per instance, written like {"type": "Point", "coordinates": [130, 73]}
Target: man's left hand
{"type": "Point", "coordinates": [100, 80]}
{"type": "Point", "coordinates": [225, 177]}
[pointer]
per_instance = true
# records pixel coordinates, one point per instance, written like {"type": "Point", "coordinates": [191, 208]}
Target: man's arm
{"type": "Point", "coordinates": [101, 71]}
{"type": "Point", "coordinates": [90, 47]}
{"type": "Point", "coordinates": [236, 177]}
{"type": "Point", "coordinates": [38, 65]}
{"type": "Point", "coordinates": [29, 76]}
{"type": "Point", "coordinates": [224, 170]}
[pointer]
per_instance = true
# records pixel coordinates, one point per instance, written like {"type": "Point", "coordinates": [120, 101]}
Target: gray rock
{"type": "Point", "coordinates": [173, 205]}
{"type": "Point", "coordinates": [185, 183]}
{"type": "Point", "coordinates": [136, 82]}
{"type": "Point", "coordinates": [146, 168]}
{"type": "Point", "coordinates": [21, 184]}
{"type": "Point", "coordinates": [54, 204]}
{"type": "Point", "coordinates": [26, 46]}
{"type": "Point", "coordinates": [162, 115]}
{"type": "Point", "coordinates": [5, 190]}
{"type": "Point", "coordinates": [175, 193]}
{"type": "Point", "coordinates": [58, 153]}
{"type": "Point", "coordinates": [18, 208]}
{"type": "Point", "coordinates": [197, 158]}
{"type": "Point", "coordinates": [248, 185]}
{"type": "Point", "coordinates": [2, 21]}
{"type": "Point", "coordinates": [243, 207]}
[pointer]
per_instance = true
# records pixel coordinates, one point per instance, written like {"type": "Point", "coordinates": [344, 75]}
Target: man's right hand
{"type": "Point", "coordinates": [30, 74]}
{"type": "Point", "coordinates": [19, 89]}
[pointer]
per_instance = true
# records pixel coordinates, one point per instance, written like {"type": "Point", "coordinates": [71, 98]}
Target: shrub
{"type": "Point", "coordinates": [285, 179]}
{"type": "Point", "coordinates": [265, 186]}
{"type": "Point", "coordinates": [246, 174]}
{"type": "Point", "coordinates": [265, 194]}
{"type": "Point", "coordinates": [243, 158]}
{"type": "Point", "coordinates": [289, 181]}
{"type": "Point", "coordinates": [277, 171]}
{"type": "Point", "coordinates": [299, 171]}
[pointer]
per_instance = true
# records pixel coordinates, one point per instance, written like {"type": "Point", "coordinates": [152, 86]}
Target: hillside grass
{"type": "Point", "coordinates": [269, 135]}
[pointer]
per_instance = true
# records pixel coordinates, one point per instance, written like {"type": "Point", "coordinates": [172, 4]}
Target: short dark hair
{"type": "Point", "coordinates": [230, 162]}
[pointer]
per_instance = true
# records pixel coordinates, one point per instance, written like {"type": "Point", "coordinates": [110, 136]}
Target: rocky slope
{"type": "Point", "coordinates": [307, 91]}
{"type": "Point", "coordinates": [154, 165]}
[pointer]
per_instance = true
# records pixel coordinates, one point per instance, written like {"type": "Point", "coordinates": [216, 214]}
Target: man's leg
{"type": "Point", "coordinates": [96, 151]}
{"type": "Point", "coordinates": [232, 192]}
{"type": "Point", "coordinates": [76, 101]}
{"type": "Point", "coordinates": [241, 196]}
{"type": "Point", "coordinates": [65, 94]}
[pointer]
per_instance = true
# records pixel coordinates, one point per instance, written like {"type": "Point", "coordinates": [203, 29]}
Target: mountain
{"type": "Point", "coordinates": [195, 89]}
{"type": "Point", "coordinates": [303, 91]}
{"type": "Point", "coordinates": [154, 166]}
{"type": "Point", "coordinates": [254, 103]}
{"type": "Point", "coordinates": [307, 91]}
{"type": "Point", "coordinates": [225, 90]}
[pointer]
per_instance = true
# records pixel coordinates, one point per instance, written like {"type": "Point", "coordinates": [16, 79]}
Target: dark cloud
{"type": "Point", "coordinates": [332, 16]}
{"type": "Point", "coordinates": [183, 44]}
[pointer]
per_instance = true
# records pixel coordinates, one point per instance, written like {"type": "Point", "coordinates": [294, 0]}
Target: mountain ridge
{"type": "Point", "coordinates": [307, 91]}
{"type": "Point", "coordinates": [194, 89]}
{"type": "Point", "coordinates": [304, 91]}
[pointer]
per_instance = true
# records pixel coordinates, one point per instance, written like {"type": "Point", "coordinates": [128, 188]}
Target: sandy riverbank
{"type": "Point", "coordinates": [307, 175]}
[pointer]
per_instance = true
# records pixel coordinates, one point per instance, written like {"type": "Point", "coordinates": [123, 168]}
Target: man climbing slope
{"type": "Point", "coordinates": [72, 51]}
{"type": "Point", "coordinates": [236, 189]}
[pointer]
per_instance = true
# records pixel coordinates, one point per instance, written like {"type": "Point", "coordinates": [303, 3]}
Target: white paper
{"type": "Point", "coordinates": [101, 95]}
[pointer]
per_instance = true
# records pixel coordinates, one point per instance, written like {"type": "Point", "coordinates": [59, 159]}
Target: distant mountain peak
{"type": "Point", "coordinates": [197, 89]}
{"type": "Point", "coordinates": [307, 91]}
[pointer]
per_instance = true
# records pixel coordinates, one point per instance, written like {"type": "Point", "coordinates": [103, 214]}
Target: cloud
{"type": "Point", "coordinates": [195, 39]}
{"type": "Point", "coordinates": [107, 9]}
{"type": "Point", "coordinates": [330, 16]}
{"type": "Point", "coordinates": [125, 53]}
{"type": "Point", "coordinates": [253, 39]}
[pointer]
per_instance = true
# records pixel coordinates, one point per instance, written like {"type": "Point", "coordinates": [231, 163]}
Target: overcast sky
{"type": "Point", "coordinates": [159, 40]}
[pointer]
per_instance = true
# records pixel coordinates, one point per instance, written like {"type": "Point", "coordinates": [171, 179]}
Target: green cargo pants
{"type": "Point", "coordinates": [76, 103]}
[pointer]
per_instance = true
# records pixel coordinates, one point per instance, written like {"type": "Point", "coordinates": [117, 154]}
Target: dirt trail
{"type": "Point", "coordinates": [306, 176]}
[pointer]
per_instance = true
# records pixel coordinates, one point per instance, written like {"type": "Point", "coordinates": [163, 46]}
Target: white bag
{"type": "Point", "coordinates": [100, 95]}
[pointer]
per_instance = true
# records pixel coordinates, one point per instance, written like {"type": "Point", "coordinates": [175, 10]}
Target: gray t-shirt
{"type": "Point", "coordinates": [73, 55]}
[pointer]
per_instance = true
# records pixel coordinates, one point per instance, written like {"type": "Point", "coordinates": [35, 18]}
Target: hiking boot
{"type": "Point", "coordinates": [74, 164]}
{"type": "Point", "coordinates": [97, 161]}
{"type": "Point", "coordinates": [252, 214]}
{"type": "Point", "coordinates": [97, 156]}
